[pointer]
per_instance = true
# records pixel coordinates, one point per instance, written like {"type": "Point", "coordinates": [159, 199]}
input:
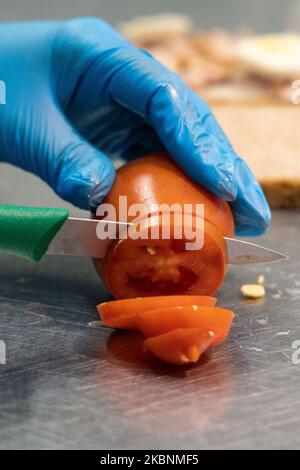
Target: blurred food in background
{"type": "Point", "coordinates": [250, 81]}
{"type": "Point", "coordinates": [222, 67]}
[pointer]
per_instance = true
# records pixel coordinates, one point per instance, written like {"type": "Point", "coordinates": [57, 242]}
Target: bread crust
{"type": "Point", "coordinates": [268, 138]}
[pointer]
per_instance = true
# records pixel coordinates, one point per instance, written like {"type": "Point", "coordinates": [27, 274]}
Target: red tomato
{"type": "Point", "coordinates": [139, 268]}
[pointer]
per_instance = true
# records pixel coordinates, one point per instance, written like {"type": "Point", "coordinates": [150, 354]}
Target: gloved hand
{"type": "Point", "coordinates": [78, 94]}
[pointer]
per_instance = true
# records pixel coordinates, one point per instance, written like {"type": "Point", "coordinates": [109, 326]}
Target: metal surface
{"type": "Point", "coordinates": [69, 385]}
{"type": "Point", "coordinates": [82, 237]}
{"type": "Point", "coordinates": [242, 252]}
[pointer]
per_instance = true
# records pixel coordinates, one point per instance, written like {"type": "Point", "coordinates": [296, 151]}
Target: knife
{"type": "Point", "coordinates": [33, 232]}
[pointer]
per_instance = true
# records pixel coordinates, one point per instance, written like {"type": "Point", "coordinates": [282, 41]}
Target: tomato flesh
{"type": "Point", "coordinates": [122, 313]}
{"type": "Point", "coordinates": [165, 267]}
{"type": "Point", "coordinates": [163, 320]}
{"type": "Point", "coordinates": [181, 346]}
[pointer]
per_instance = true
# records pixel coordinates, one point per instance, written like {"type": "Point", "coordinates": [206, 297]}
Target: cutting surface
{"type": "Point", "coordinates": [69, 385]}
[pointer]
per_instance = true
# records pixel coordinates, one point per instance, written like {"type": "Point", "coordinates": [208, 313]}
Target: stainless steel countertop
{"type": "Point", "coordinates": [68, 385]}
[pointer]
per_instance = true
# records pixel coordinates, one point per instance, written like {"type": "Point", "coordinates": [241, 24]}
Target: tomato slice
{"type": "Point", "coordinates": [121, 313]}
{"type": "Point", "coordinates": [139, 268]}
{"type": "Point", "coordinates": [163, 320]}
{"type": "Point", "coordinates": [123, 322]}
{"type": "Point", "coordinates": [181, 346]}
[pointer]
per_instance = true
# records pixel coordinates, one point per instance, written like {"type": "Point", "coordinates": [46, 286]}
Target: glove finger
{"type": "Point", "coordinates": [118, 132]}
{"type": "Point", "coordinates": [191, 134]}
{"type": "Point", "coordinates": [77, 171]}
{"type": "Point", "coordinates": [182, 120]}
{"type": "Point", "coordinates": [251, 210]}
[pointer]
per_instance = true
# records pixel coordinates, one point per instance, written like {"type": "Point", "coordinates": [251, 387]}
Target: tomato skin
{"type": "Point", "coordinates": [122, 313]}
{"type": "Point", "coordinates": [129, 272]}
{"type": "Point", "coordinates": [156, 179]}
{"type": "Point", "coordinates": [181, 346]}
{"type": "Point", "coordinates": [163, 320]}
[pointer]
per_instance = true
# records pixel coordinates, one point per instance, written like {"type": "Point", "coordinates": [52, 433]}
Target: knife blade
{"type": "Point", "coordinates": [78, 237]}
{"type": "Point", "coordinates": [242, 252]}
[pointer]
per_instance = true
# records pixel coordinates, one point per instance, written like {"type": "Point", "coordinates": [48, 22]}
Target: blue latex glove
{"type": "Point", "coordinates": [78, 94]}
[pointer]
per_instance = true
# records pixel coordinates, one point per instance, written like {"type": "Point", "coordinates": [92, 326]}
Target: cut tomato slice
{"type": "Point", "coordinates": [123, 322]}
{"type": "Point", "coordinates": [121, 313]}
{"type": "Point", "coordinates": [143, 268]}
{"type": "Point", "coordinates": [157, 322]}
{"type": "Point", "coordinates": [181, 346]}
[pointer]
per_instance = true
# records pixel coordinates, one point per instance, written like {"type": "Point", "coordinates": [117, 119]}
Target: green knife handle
{"type": "Point", "coordinates": [28, 231]}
